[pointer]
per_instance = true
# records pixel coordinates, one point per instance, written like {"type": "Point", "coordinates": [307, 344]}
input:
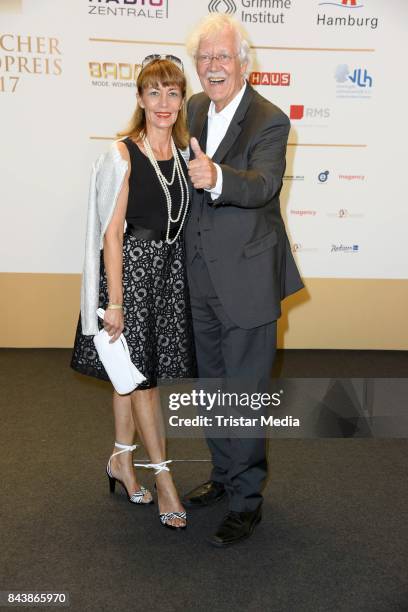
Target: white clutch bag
{"type": "Point", "coordinates": [124, 375]}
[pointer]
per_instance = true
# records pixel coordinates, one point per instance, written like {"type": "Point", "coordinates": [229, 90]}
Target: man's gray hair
{"type": "Point", "coordinates": [214, 24]}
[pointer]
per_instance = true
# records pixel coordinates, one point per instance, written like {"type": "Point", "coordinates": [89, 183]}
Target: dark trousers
{"type": "Point", "coordinates": [226, 351]}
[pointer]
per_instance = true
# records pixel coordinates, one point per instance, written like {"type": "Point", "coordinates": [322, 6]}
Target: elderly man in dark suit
{"type": "Point", "coordinates": [240, 265]}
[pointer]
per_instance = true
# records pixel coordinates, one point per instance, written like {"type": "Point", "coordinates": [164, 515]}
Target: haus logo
{"type": "Point", "coordinates": [299, 112]}
{"type": "Point", "coordinates": [352, 15]}
{"type": "Point", "coordinates": [142, 9]}
{"type": "Point", "coordinates": [253, 11]}
{"type": "Point", "coordinates": [277, 79]}
{"type": "Point", "coordinates": [356, 83]}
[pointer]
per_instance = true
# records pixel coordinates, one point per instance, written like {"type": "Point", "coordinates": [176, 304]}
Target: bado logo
{"type": "Point", "coordinates": [298, 111]}
{"type": "Point", "coordinates": [227, 7]}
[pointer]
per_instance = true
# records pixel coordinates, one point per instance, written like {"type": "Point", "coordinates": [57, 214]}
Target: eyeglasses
{"type": "Point", "coordinates": [158, 56]}
{"type": "Point", "coordinates": [222, 58]}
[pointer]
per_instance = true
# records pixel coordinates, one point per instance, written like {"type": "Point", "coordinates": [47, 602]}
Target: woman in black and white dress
{"type": "Point", "coordinates": [141, 283]}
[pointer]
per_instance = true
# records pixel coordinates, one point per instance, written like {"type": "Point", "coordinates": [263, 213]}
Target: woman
{"type": "Point", "coordinates": [141, 283]}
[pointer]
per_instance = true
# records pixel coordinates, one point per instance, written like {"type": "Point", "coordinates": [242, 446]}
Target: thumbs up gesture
{"type": "Point", "coordinates": [202, 170]}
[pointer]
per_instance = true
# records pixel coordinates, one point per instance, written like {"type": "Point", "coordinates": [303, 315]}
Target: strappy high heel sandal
{"type": "Point", "coordinates": [165, 517]}
{"type": "Point", "coordinates": [138, 496]}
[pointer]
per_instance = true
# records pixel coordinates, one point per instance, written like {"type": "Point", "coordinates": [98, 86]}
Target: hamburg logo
{"type": "Point", "coordinates": [222, 6]}
{"type": "Point", "coordinates": [344, 4]}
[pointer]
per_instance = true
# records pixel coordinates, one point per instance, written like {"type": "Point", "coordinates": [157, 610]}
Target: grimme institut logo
{"type": "Point", "coordinates": [253, 11]}
{"type": "Point", "coordinates": [143, 9]}
{"type": "Point", "coordinates": [346, 14]}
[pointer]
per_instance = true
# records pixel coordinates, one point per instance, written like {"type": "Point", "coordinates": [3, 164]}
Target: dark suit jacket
{"type": "Point", "coordinates": [243, 236]}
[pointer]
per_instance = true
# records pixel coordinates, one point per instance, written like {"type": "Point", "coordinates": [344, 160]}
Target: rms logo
{"type": "Point", "coordinates": [298, 111]}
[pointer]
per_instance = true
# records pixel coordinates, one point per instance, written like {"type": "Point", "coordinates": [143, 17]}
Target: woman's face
{"type": "Point", "coordinates": [161, 105]}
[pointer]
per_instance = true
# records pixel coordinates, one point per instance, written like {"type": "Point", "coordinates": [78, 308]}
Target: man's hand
{"type": "Point", "coordinates": [202, 170]}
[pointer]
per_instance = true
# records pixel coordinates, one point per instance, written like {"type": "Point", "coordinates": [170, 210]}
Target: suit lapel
{"type": "Point", "coordinates": [199, 127]}
{"type": "Point", "coordinates": [234, 128]}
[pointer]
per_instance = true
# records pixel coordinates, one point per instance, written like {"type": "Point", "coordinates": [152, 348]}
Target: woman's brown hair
{"type": "Point", "coordinates": [165, 73]}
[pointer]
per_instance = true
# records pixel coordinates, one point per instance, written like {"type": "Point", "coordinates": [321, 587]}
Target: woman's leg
{"type": "Point", "coordinates": [149, 418]}
{"type": "Point", "coordinates": [125, 431]}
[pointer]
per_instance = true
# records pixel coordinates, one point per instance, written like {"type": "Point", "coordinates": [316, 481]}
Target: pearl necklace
{"type": "Point", "coordinates": [177, 169]}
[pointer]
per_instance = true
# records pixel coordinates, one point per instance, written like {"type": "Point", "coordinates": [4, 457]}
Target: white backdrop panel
{"type": "Point", "coordinates": [353, 134]}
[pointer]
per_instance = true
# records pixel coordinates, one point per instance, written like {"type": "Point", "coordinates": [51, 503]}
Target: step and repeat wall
{"type": "Point", "coordinates": [67, 86]}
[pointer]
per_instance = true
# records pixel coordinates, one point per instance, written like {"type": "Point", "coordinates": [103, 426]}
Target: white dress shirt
{"type": "Point", "coordinates": [218, 124]}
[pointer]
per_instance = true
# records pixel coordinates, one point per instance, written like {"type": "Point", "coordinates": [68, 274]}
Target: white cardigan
{"type": "Point", "coordinates": [107, 176]}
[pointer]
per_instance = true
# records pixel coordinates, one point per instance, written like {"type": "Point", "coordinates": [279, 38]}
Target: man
{"type": "Point", "coordinates": [239, 262]}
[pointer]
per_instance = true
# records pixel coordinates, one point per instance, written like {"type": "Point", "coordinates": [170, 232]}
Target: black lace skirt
{"type": "Point", "coordinates": [158, 325]}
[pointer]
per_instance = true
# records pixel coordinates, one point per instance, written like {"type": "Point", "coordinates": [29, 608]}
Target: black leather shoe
{"type": "Point", "coordinates": [205, 494]}
{"type": "Point", "coordinates": [235, 527]}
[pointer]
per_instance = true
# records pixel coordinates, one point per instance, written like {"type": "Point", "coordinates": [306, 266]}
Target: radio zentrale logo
{"type": "Point", "coordinates": [253, 11]}
{"type": "Point", "coordinates": [345, 14]}
{"type": "Point", "coordinates": [143, 9]}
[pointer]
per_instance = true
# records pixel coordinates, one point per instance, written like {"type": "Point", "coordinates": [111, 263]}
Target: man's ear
{"type": "Point", "coordinates": [243, 68]}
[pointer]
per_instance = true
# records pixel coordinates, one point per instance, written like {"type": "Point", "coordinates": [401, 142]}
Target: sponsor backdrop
{"type": "Point", "coordinates": [67, 85]}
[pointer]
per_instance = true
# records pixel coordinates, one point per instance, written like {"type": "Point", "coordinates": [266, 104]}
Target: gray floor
{"type": "Point", "coordinates": [333, 537]}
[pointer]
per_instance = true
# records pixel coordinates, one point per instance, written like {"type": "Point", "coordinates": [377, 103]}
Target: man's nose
{"type": "Point", "coordinates": [213, 59]}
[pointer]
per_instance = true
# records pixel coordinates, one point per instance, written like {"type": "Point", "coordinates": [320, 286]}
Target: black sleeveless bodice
{"type": "Point", "coordinates": [147, 205]}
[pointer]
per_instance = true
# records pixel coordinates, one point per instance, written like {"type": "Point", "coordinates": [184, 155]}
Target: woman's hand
{"type": "Point", "coordinates": [114, 323]}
